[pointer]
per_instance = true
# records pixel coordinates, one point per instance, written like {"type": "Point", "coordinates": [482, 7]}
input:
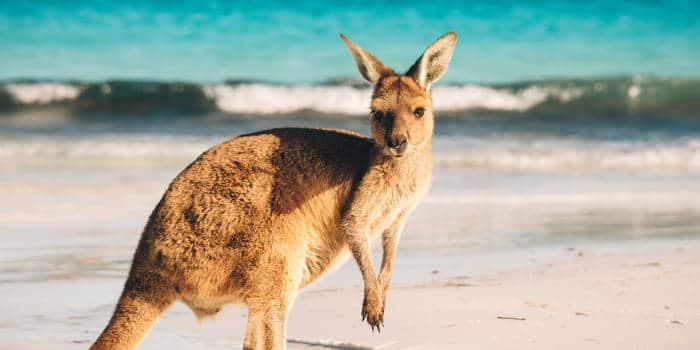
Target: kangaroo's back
{"type": "Point", "coordinates": [276, 172]}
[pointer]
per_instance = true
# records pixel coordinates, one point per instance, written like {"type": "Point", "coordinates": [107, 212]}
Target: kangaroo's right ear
{"type": "Point", "coordinates": [370, 67]}
{"type": "Point", "coordinates": [432, 64]}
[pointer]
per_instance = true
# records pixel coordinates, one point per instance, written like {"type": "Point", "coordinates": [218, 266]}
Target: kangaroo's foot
{"type": "Point", "coordinates": [373, 308]}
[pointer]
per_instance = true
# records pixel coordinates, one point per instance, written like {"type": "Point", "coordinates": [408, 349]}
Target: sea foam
{"type": "Point", "coordinates": [602, 96]}
{"type": "Point", "coordinates": [42, 93]}
{"type": "Point", "coordinates": [268, 99]}
{"type": "Point", "coordinates": [271, 99]}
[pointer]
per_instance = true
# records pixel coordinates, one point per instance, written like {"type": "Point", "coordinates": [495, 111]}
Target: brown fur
{"type": "Point", "coordinates": [255, 219]}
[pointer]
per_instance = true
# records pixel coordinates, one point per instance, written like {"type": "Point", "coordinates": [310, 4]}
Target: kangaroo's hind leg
{"type": "Point", "coordinates": [267, 325]}
{"type": "Point", "coordinates": [269, 305]}
{"type": "Point", "coordinates": [143, 300]}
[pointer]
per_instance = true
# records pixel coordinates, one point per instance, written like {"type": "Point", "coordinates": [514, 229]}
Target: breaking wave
{"type": "Point", "coordinates": [634, 94]}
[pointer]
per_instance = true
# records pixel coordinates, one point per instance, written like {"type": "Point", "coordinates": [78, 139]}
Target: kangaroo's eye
{"type": "Point", "coordinates": [377, 115]}
{"type": "Point", "coordinates": [419, 112]}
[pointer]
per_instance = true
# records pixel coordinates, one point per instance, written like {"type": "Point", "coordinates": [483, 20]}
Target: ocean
{"type": "Point", "coordinates": [297, 42]}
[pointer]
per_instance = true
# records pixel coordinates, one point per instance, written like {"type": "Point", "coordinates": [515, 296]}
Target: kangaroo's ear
{"type": "Point", "coordinates": [432, 64]}
{"type": "Point", "coordinates": [371, 68]}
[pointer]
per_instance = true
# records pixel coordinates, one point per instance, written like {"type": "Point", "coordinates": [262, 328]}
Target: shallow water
{"type": "Point", "coordinates": [74, 199]}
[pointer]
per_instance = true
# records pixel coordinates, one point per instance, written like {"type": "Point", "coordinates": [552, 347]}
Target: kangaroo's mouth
{"type": "Point", "coordinates": [396, 152]}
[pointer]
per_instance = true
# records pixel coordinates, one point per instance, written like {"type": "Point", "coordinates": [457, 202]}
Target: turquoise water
{"type": "Point", "coordinates": [213, 41]}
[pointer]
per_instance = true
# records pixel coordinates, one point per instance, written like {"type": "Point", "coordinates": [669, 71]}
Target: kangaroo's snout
{"type": "Point", "coordinates": [397, 144]}
{"type": "Point", "coordinates": [395, 136]}
{"type": "Point", "coordinates": [396, 141]}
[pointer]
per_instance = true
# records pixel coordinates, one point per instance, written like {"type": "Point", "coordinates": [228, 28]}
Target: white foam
{"type": "Point", "coordinates": [634, 91]}
{"type": "Point", "coordinates": [453, 98]}
{"type": "Point", "coordinates": [42, 93]}
{"type": "Point", "coordinates": [271, 99]}
{"type": "Point", "coordinates": [259, 98]}
{"type": "Point", "coordinates": [562, 155]}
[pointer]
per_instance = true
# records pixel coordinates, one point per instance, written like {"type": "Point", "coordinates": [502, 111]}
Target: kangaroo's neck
{"type": "Point", "coordinates": [416, 164]}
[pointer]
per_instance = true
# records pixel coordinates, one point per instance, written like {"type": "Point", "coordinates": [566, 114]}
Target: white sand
{"type": "Point", "coordinates": [623, 296]}
{"type": "Point", "coordinates": [643, 297]}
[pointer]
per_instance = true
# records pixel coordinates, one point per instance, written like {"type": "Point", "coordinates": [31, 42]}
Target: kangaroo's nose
{"type": "Point", "coordinates": [398, 141]}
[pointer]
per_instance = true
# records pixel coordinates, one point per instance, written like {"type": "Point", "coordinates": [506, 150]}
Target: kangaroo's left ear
{"type": "Point", "coordinates": [370, 67]}
{"type": "Point", "coordinates": [432, 64]}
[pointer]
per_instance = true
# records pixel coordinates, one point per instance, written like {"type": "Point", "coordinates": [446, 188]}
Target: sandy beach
{"type": "Point", "coordinates": [639, 296]}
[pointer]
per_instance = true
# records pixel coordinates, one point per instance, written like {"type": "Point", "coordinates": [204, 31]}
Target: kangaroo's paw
{"type": "Point", "coordinates": [373, 309]}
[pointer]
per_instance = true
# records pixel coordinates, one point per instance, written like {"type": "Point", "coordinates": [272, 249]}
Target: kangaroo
{"type": "Point", "coordinates": [257, 218]}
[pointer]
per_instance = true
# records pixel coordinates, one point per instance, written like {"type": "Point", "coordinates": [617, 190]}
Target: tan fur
{"type": "Point", "coordinates": [255, 219]}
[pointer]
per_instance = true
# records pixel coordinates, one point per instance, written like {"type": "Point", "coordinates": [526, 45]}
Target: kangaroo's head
{"type": "Point", "coordinates": [401, 107]}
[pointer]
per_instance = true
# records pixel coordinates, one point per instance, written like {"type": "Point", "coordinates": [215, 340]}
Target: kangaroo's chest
{"type": "Point", "coordinates": [393, 199]}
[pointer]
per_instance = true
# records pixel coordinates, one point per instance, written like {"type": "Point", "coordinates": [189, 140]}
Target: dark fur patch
{"type": "Point", "coordinates": [238, 240]}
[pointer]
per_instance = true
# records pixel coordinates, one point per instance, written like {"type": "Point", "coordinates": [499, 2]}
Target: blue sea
{"type": "Point", "coordinates": [277, 57]}
{"type": "Point", "coordinates": [297, 42]}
